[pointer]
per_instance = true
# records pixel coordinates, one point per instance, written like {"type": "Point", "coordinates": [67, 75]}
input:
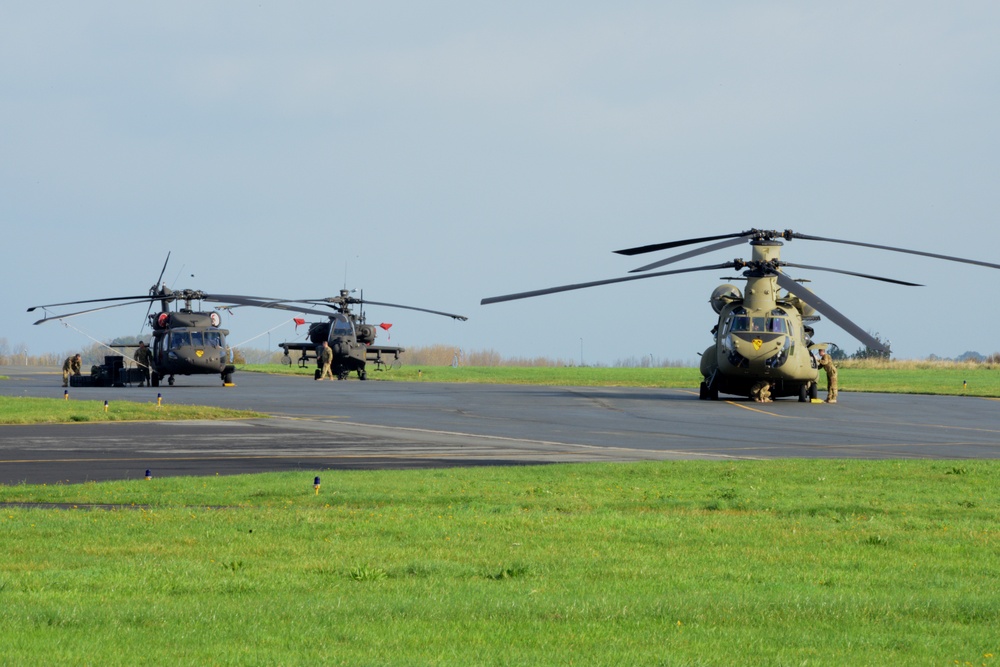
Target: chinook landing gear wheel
{"type": "Point", "coordinates": [813, 391]}
{"type": "Point", "coordinates": [804, 393]}
{"type": "Point", "coordinates": [706, 393]}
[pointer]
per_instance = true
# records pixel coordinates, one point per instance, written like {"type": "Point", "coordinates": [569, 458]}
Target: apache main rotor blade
{"type": "Point", "coordinates": [688, 254]}
{"type": "Point", "coordinates": [835, 316]}
{"type": "Point", "coordinates": [851, 273]}
{"type": "Point", "coordinates": [894, 249]}
{"type": "Point", "coordinates": [567, 288]}
{"type": "Point", "coordinates": [92, 310]}
{"type": "Point", "coordinates": [338, 301]}
{"type": "Point", "coordinates": [676, 244]}
{"type": "Point", "coordinates": [461, 318]}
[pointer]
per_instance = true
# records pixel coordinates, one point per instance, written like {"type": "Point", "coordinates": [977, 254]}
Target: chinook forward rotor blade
{"type": "Point", "coordinates": [596, 283]}
{"type": "Point", "coordinates": [654, 247]}
{"type": "Point", "coordinates": [689, 254]}
{"type": "Point", "coordinates": [851, 273]}
{"type": "Point", "coordinates": [91, 310]}
{"type": "Point", "coordinates": [832, 313]}
{"type": "Point", "coordinates": [949, 258]}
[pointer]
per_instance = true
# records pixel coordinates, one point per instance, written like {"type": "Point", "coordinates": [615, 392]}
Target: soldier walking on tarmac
{"type": "Point", "coordinates": [826, 362]}
{"type": "Point", "coordinates": [325, 360]}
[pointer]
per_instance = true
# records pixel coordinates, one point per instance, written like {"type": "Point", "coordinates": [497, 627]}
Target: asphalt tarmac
{"type": "Point", "coordinates": [317, 426]}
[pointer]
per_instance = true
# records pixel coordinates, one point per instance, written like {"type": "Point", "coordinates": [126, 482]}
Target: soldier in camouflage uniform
{"type": "Point", "coordinates": [325, 359]}
{"type": "Point", "coordinates": [761, 392]}
{"type": "Point", "coordinates": [826, 363]}
{"type": "Point", "coordinates": [72, 366]}
{"type": "Point", "coordinates": [144, 359]}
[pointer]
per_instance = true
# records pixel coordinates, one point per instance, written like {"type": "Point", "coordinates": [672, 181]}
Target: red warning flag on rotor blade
{"type": "Point", "coordinates": [298, 321]}
{"type": "Point", "coordinates": [386, 326]}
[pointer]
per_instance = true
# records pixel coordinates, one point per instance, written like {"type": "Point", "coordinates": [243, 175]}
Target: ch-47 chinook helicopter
{"type": "Point", "coordinates": [763, 344]}
{"type": "Point", "coordinates": [184, 341]}
{"type": "Point", "coordinates": [349, 336]}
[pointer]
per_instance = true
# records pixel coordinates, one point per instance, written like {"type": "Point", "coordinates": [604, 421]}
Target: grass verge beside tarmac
{"type": "Point", "coordinates": [666, 563]}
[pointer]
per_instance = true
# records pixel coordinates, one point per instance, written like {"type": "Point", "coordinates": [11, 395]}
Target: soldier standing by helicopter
{"type": "Point", "coordinates": [325, 360]}
{"type": "Point", "coordinates": [144, 359]}
{"type": "Point", "coordinates": [71, 366]}
{"type": "Point", "coordinates": [826, 363]}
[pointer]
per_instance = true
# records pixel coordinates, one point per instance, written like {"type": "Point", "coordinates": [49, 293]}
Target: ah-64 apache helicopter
{"type": "Point", "coordinates": [763, 345]}
{"type": "Point", "coordinates": [184, 341]}
{"type": "Point", "coordinates": [349, 336]}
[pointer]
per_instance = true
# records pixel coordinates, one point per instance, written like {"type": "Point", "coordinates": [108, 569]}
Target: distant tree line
{"type": "Point", "coordinates": [431, 355]}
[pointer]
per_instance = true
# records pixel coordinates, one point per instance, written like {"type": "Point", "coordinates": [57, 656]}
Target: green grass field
{"type": "Point", "coordinates": [675, 563]}
{"type": "Point", "coordinates": [669, 563]}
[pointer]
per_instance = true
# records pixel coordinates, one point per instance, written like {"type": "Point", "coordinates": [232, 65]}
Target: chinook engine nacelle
{"type": "Point", "coordinates": [723, 295]}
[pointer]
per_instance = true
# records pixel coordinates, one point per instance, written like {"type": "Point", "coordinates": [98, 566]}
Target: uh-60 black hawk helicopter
{"type": "Point", "coordinates": [350, 338]}
{"type": "Point", "coordinates": [184, 341]}
{"type": "Point", "coordinates": [763, 343]}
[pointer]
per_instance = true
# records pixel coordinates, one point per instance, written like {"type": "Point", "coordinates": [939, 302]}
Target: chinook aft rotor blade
{"type": "Point", "coordinates": [596, 283]}
{"type": "Point", "coordinates": [851, 273]}
{"type": "Point", "coordinates": [832, 313]}
{"type": "Point", "coordinates": [689, 254]}
{"type": "Point", "coordinates": [654, 247]}
{"type": "Point", "coordinates": [949, 258]}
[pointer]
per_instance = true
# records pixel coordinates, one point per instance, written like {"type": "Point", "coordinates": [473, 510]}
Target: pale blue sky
{"type": "Point", "coordinates": [436, 153]}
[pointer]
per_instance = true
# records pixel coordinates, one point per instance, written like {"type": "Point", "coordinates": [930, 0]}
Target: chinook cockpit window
{"type": "Point", "coordinates": [767, 324]}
